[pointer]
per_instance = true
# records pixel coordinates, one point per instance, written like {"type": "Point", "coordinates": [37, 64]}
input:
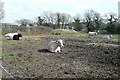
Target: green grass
{"type": "Point", "coordinates": [68, 32]}
{"type": "Point", "coordinates": [11, 57]}
{"type": "Point", "coordinates": [64, 33]}
{"type": "Point", "coordinates": [72, 32]}
{"type": "Point", "coordinates": [32, 34]}
{"type": "Point", "coordinates": [9, 42]}
{"type": "Point", "coordinates": [114, 35]}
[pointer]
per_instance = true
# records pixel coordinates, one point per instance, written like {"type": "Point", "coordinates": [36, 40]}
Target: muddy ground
{"type": "Point", "coordinates": [29, 58]}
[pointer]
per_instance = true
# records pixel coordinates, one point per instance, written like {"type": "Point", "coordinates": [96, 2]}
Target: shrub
{"type": "Point", "coordinates": [27, 30]}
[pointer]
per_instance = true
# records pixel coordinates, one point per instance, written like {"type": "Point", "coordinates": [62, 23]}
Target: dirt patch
{"type": "Point", "coordinates": [30, 59]}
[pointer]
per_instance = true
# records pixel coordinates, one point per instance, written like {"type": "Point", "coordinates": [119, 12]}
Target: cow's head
{"type": "Point", "coordinates": [111, 36]}
{"type": "Point", "coordinates": [20, 35]}
{"type": "Point", "coordinates": [60, 42]}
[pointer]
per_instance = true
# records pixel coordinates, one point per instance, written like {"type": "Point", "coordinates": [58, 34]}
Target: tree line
{"type": "Point", "coordinates": [90, 21]}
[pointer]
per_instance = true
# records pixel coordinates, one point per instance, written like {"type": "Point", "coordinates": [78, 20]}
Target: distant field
{"type": "Point", "coordinates": [40, 30]}
{"type": "Point", "coordinates": [49, 32]}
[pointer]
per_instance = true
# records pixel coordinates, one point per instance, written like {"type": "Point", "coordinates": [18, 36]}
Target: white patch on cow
{"type": "Point", "coordinates": [58, 49]}
{"type": "Point", "coordinates": [92, 33]}
{"type": "Point", "coordinates": [106, 37]}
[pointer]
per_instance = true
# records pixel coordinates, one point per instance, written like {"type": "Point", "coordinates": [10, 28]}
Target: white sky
{"type": "Point", "coordinates": [31, 9]}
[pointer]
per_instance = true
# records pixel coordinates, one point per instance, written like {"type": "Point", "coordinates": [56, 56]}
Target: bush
{"type": "Point", "coordinates": [113, 28]}
{"type": "Point", "coordinates": [27, 30]}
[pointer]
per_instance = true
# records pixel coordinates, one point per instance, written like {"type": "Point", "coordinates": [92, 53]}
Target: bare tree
{"type": "Point", "coordinates": [93, 20]}
{"type": "Point", "coordinates": [89, 20]}
{"type": "Point", "coordinates": [40, 21]}
{"type": "Point", "coordinates": [48, 17]}
{"type": "Point", "coordinates": [65, 19]}
{"type": "Point", "coordinates": [98, 21]}
{"type": "Point", "coordinates": [77, 23]}
{"type": "Point", "coordinates": [1, 10]}
{"type": "Point", "coordinates": [111, 17]}
{"type": "Point", "coordinates": [113, 23]}
{"type": "Point", "coordinates": [58, 19]}
{"type": "Point", "coordinates": [24, 22]}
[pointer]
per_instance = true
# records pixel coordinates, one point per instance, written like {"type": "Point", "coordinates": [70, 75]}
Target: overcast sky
{"type": "Point", "coordinates": [30, 9]}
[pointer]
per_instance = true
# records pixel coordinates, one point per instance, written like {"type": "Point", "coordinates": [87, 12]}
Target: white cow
{"type": "Point", "coordinates": [55, 46]}
{"type": "Point", "coordinates": [106, 37]}
{"type": "Point", "coordinates": [13, 36]}
{"type": "Point", "coordinates": [92, 33]}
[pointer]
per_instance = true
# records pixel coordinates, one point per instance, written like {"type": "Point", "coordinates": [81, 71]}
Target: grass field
{"type": "Point", "coordinates": [29, 58]}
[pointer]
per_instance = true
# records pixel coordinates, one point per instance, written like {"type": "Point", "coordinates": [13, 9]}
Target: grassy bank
{"type": "Point", "coordinates": [40, 30]}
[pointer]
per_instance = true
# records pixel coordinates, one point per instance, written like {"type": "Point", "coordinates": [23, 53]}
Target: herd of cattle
{"type": "Point", "coordinates": [103, 37]}
{"type": "Point", "coordinates": [53, 46]}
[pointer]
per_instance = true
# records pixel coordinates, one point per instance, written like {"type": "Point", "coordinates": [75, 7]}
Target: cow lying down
{"type": "Point", "coordinates": [106, 37]}
{"type": "Point", "coordinates": [55, 46]}
{"type": "Point", "coordinates": [13, 36]}
{"type": "Point", "coordinates": [92, 33]}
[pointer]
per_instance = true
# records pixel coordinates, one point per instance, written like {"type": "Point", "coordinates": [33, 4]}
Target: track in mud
{"type": "Point", "coordinates": [30, 59]}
